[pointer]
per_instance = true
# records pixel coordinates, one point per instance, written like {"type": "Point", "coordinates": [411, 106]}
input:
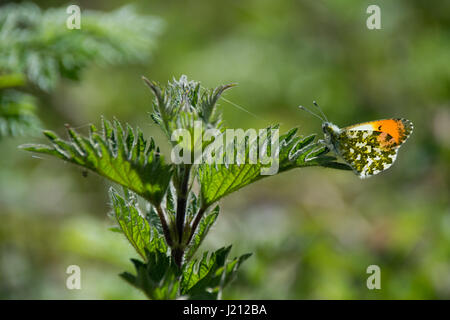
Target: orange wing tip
{"type": "Point", "coordinates": [394, 131]}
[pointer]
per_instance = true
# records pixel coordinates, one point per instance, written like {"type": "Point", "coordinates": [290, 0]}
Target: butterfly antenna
{"type": "Point", "coordinates": [309, 111]}
{"type": "Point", "coordinates": [321, 112]}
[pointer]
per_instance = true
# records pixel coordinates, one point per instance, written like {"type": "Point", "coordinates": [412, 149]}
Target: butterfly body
{"type": "Point", "coordinates": [369, 147]}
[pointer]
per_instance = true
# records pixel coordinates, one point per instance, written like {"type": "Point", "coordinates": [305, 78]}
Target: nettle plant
{"type": "Point", "coordinates": [180, 197]}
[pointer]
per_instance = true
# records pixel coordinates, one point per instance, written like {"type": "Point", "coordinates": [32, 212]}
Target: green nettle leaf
{"type": "Point", "coordinates": [203, 229]}
{"type": "Point", "coordinates": [158, 278]}
{"type": "Point", "coordinates": [136, 228]}
{"type": "Point", "coordinates": [170, 201]}
{"type": "Point", "coordinates": [218, 180]}
{"type": "Point", "coordinates": [206, 277]}
{"type": "Point", "coordinates": [122, 157]}
{"type": "Point", "coordinates": [152, 217]}
{"type": "Point", "coordinates": [297, 151]}
{"type": "Point", "coordinates": [193, 206]}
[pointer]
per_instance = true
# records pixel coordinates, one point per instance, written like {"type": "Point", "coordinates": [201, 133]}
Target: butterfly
{"type": "Point", "coordinates": [369, 147]}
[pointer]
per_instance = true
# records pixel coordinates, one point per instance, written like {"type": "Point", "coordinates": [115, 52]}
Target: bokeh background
{"type": "Point", "coordinates": [313, 231]}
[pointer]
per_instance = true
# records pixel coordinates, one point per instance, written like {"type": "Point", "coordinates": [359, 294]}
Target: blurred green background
{"type": "Point", "coordinates": [313, 231]}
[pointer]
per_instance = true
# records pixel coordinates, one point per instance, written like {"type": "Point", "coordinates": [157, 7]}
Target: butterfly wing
{"type": "Point", "coordinates": [371, 147]}
{"type": "Point", "coordinates": [396, 131]}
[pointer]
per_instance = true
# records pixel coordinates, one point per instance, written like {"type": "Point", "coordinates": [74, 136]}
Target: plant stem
{"type": "Point", "coordinates": [181, 213]}
{"type": "Point", "coordinates": [197, 219]}
{"type": "Point", "coordinates": [177, 255]}
{"type": "Point", "coordinates": [164, 226]}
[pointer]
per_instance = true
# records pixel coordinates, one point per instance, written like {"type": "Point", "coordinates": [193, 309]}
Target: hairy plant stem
{"type": "Point", "coordinates": [197, 220]}
{"type": "Point", "coordinates": [164, 226]}
{"type": "Point", "coordinates": [182, 195]}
